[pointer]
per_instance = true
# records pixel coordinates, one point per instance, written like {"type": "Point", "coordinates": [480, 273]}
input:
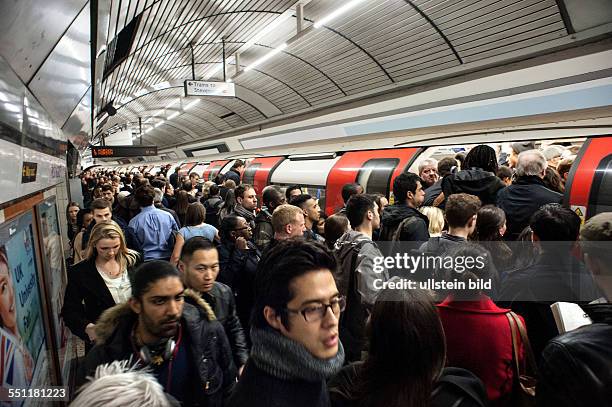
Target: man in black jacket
{"type": "Point", "coordinates": [263, 233]}
{"type": "Point", "coordinates": [183, 345]}
{"type": "Point", "coordinates": [527, 194]}
{"type": "Point", "coordinates": [295, 329]}
{"type": "Point", "coordinates": [576, 368]}
{"type": "Point", "coordinates": [409, 195]}
{"type": "Point", "coordinates": [199, 265]}
{"type": "Point", "coordinates": [235, 172]}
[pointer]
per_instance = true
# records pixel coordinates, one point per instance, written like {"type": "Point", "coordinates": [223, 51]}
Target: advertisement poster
{"type": "Point", "coordinates": [55, 278]}
{"type": "Point", "coordinates": [24, 359]}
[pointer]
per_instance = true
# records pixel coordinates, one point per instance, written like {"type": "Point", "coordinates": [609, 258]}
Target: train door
{"type": "Point", "coordinates": [374, 170]}
{"type": "Point", "coordinates": [213, 169]}
{"type": "Point", "coordinates": [185, 168]}
{"type": "Point", "coordinates": [589, 185]}
{"type": "Point", "coordinates": [199, 169]}
{"type": "Point", "coordinates": [259, 173]}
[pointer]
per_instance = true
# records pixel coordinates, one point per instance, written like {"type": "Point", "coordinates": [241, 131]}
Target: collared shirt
{"type": "Point", "coordinates": [151, 231]}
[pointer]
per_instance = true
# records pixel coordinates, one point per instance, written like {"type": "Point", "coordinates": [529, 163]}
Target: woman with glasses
{"type": "Point", "coordinates": [404, 366]}
{"type": "Point", "coordinates": [238, 259]}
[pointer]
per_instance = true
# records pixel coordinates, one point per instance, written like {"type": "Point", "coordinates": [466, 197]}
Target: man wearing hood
{"type": "Point", "coordinates": [409, 195]}
{"type": "Point", "coordinates": [183, 345]}
{"type": "Point", "coordinates": [357, 254]}
{"type": "Point", "coordinates": [296, 346]}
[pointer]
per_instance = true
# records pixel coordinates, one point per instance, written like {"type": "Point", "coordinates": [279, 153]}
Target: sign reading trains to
{"type": "Point", "coordinates": [202, 88]}
{"type": "Point", "coordinates": [123, 151]}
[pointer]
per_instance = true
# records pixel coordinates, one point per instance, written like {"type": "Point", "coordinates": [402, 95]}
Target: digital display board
{"type": "Point", "coordinates": [122, 151]}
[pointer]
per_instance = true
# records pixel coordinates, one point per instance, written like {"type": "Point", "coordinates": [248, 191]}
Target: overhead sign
{"type": "Point", "coordinates": [122, 151]}
{"type": "Point", "coordinates": [203, 88]}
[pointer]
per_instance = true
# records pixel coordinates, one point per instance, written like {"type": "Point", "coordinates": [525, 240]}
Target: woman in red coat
{"type": "Point", "coordinates": [478, 335]}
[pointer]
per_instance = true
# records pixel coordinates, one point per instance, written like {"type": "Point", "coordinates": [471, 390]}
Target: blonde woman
{"type": "Point", "coordinates": [99, 281]}
{"type": "Point", "coordinates": [436, 220]}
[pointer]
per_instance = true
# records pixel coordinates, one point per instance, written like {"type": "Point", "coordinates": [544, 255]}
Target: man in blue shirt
{"type": "Point", "coordinates": [152, 230]}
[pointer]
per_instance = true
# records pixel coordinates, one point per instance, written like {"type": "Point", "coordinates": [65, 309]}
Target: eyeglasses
{"type": "Point", "coordinates": [316, 313]}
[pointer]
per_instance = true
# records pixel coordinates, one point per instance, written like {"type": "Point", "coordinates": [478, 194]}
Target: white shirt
{"type": "Point", "coordinates": [120, 287]}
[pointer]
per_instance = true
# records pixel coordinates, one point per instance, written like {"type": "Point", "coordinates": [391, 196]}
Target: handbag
{"type": "Point", "coordinates": [524, 384]}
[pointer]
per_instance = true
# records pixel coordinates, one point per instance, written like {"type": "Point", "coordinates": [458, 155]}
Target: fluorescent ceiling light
{"type": "Point", "coordinates": [268, 28]}
{"type": "Point", "coordinates": [161, 85]}
{"type": "Point", "coordinates": [140, 92]}
{"type": "Point", "coordinates": [340, 10]}
{"type": "Point", "coordinates": [159, 123]}
{"type": "Point", "coordinates": [174, 102]}
{"type": "Point", "coordinates": [266, 57]}
{"type": "Point", "coordinates": [192, 104]}
{"type": "Point", "coordinates": [173, 115]}
{"type": "Point", "coordinates": [148, 131]}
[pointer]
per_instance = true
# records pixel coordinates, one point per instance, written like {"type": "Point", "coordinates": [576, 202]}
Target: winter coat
{"type": "Point", "coordinates": [356, 280]}
{"type": "Point", "coordinates": [233, 175]}
{"type": "Point", "coordinates": [576, 367]}
{"type": "Point", "coordinates": [263, 232]}
{"type": "Point", "coordinates": [209, 350]}
{"type": "Point", "coordinates": [393, 215]}
{"type": "Point", "coordinates": [221, 300]}
{"type": "Point", "coordinates": [455, 387]}
{"type": "Point", "coordinates": [474, 181]}
{"type": "Point", "coordinates": [521, 200]}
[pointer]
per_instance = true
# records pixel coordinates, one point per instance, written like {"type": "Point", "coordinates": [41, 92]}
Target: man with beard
{"type": "Point", "coordinates": [264, 232]}
{"type": "Point", "coordinates": [246, 203]}
{"type": "Point", "coordinates": [183, 345]}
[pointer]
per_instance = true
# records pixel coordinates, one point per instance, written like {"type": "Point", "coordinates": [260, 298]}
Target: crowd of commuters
{"type": "Point", "coordinates": [196, 294]}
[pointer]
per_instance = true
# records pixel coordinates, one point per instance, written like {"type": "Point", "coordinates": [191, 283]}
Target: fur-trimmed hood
{"type": "Point", "coordinates": [109, 320]}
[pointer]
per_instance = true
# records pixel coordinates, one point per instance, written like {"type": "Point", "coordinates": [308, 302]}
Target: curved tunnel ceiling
{"type": "Point", "coordinates": [375, 44]}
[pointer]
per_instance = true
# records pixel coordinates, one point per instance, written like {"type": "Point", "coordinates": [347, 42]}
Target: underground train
{"type": "Point", "coordinates": [322, 174]}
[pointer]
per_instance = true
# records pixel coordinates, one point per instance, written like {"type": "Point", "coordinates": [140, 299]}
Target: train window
{"type": "Point", "coordinates": [249, 174]}
{"type": "Point", "coordinates": [316, 191]}
{"type": "Point", "coordinates": [375, 175]}
{"type": "Point", "coordinates": [601, 190]}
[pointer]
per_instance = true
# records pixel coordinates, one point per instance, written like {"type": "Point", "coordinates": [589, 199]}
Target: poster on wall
{"type": "Point", "coordinates": [22, 331]}
{"type": "Point", "coordinates": [55, 280]}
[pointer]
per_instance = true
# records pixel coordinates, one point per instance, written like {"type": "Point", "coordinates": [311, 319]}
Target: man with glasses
{"type": "Point", "coordinates": [296, 346]}
{"type": "Point", "coordinates": [199, 265]}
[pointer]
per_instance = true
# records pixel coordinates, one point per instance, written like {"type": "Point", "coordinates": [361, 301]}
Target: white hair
{"type": "Point", "coordinates": [531, 162]}
{"type": "Point", "coordinates": [159, 195]}
{"type": "Point", "coordinates": [428, 162]}
{"type": "Point", "coordinates": [116, 384]}
{"type": "Point", "coordinates": [553, 151]}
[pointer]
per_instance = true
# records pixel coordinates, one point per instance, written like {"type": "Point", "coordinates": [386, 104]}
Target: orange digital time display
{"type": "Point", "coordinates": [123, 151]}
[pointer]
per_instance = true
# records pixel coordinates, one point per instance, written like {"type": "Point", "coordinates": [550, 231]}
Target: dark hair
{"type": "Point", "coordinates": [70, 205]}
{"type": "Point", "coordinates": [406, 352]}
{"type": "Point", "coordinates": [237, 164]}
{"type": "Point", "coordinates": [552, 180]}
{"type": "Point", "coordinates": [81, 216]}
{"type": "Point", "coordinates": [446, 165]}
{"type": "Point", "coordinates": [357, 207]}
{"type": "Point", "coordinates": [483, 157]}
{"type": "Point", "coordinates": [193, 175]}
{"type": "Point", "coordinates": [564, 166]}
{"type": "Point", "coordinates": [107, 187]}
{"type": "Point", "coordinates": [404, 183]}
{"type": "Point", "coordinates": [241, 189]}
{"type": "Point", "coordinates": [158, 183]}
{"type": "Point", "coordinates": [149, 273]}
{"type": "Point", "coordinates": [194, 244]}
{"type": "Point", "coordinates": [552, 222]}
{"type": "Point", "coordinates": [196, 213]}
{"type": "Point", "coordinates": [291, 188]}
{"type": "Point", "coordinates": [335, 226]}
{"type": "Point", "coordinates": [213, 190]}
{"type": "Point", "coordinates": [182, 202]}
{"type": "Point", "coordinates": [300, 200]}
{"type": "Point", "coordinates": [100, 203]}
{"type": "Point", "coordinates": [276, 270]}
{"type": "Point", "coordinates": [524, 252]}
{"type": "Point", "coordinates": [145, 195]}
{"type": "Point", "coordinates": [490, 220]}
{"type": "Point", "coordinates": [187, 187]}
{"type": "Point", "coordinates": [271, 194]}
{"type": "Point", "coordinates": [460, 208]}
{"type": "Point", "coordinates": [228, 224]}
{"type": "Point", "coordinates": [504, 172]}
{"type": "Point", "coordinates": [349, 190]}
{"type": "Point", "coordinates": [460, 157]}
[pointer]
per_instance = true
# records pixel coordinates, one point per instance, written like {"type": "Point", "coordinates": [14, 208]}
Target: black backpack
{"type": "Point", "coordinates": [213, 205]}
